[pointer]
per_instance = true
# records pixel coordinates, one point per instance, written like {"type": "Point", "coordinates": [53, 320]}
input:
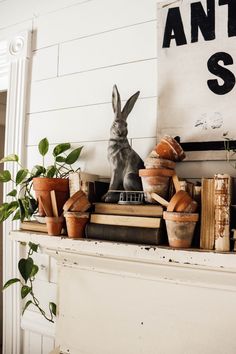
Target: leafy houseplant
{"type": "Point", "coordinates": [23, 205]}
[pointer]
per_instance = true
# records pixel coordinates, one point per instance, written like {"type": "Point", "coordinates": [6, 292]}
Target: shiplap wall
{"type": "Point", "coordinates": [79, 52]}
{"type": "Point", "coordinates": [80, 49]}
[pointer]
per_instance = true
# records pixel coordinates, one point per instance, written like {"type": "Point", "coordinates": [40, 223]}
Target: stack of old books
{"type": "Point", "coordinates": [126, 223]}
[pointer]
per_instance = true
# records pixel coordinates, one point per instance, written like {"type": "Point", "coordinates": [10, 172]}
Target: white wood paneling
{"type": "Point", "coordinates": [143, 146]}
{"type": "Point", "coordinates": [76, 124]}
{"type": "Point", "coordinates": [43, 262]}
{"type": "Point", "coordinates": [46, 292]}
{"type": "Point", "coordinates": [44, 63]}
{"type": "Point", "coordinates": [53, 270]}
{"type": "Point", "coordinates": [93, 158]}
{"type": "Point", "coordinates": [33, 157]}
{"type": "Point", "coordinates": [111, 48]}
{"type": "Point", "coordinates": [11, 12]}
{"type": "Point", "coordinates": [47, 345]}
{"type": "Point", "coordinates": [93, 87]}
{"type": "Point", "coordinates": [90, 18]}
{"type": "Point", "coordinates": [35, 343]}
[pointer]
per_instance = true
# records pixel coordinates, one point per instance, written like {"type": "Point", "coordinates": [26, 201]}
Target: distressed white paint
{"type": "Point", "coordinates": [130, 297]}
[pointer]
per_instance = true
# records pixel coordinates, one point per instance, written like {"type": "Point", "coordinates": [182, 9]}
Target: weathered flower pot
{"type": "Point", "coordinates": [77, 202]}
{"type": "Point", "coordinates": [168, 148]}
{"type": "Point", "coordinates": [155, 180]}
{"type": "Point", "coordinates": [180, 228]}
{"type": "Point", "coordinates": [54, 225]}
{"type": "Point", "coordinates": [75, 223]}
{"type": "Point", "coordinates": [182, 202]}
{"type": "Point", "coordinates": [43, 186]}
{"type": "Point", "coordinates": [154, 161]}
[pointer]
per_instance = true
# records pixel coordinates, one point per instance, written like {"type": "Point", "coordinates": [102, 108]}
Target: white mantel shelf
{"type": "Point", "coordinates": [126, 298]}
{"type": "Point", "coordinates": [67, 250]}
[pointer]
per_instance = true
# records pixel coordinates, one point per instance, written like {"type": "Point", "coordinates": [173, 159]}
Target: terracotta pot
{"type": "Point", "coordinates": [54, 225]}
{"type": "Point", "coordinates": [168, 148]}
{"type": "Point", "coordinates": [75, 223]}
{"type": "Point", "coordinates": [77, 202]}
{"type": "Point", "coordinates": [153, 161]}
{"type": "Point", "coordinates": [42, 187]}
{"type": "Point", "coordinates": [155, 180]}
{"type": "Point", "coordinates": [182, 202]}
{"type": "Point", "coordinates": [180, 228]}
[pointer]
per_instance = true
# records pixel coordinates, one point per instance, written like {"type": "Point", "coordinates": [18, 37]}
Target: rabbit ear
{"type": "Point", "coordinates": [129, 105]}
{"type": "Point", "coordinates": [116, 101]}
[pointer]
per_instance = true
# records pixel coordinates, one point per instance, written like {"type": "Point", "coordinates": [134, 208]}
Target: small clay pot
{"type": "Point", "coordinates": [168, 148]}
{"type": "Point", "coordinates": [155, 180]}
{"type": "Point", "coordinates": [182, 202]}
{"type": "Point", "coordinates": [77, 202]}
{"type": "Point", "coordinates": [154, 161]}
{"type": "Point", "coordinates": [54, 225]}
{"type": "Point", "coordinates": [75, 223]}
{"type": "Point", "coordinates": [43, 186]}
{"type": "Point", "coordinates": [180, 228]}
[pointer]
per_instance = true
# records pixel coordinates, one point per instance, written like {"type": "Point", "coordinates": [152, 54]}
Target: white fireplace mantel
{"type": "Point", "coordinates": [132, 299]}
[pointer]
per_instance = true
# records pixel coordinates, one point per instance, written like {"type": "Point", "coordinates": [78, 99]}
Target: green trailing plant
{"type": "Point", "coordinates": [23, 204]}
{"type": "Point", "coordinates": [28, 270]}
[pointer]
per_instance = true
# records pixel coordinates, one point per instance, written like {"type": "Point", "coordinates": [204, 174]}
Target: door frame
{"type": "Point", "coordinates": [15, 54]}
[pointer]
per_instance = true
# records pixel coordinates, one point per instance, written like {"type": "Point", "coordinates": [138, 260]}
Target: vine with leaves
{"type": "Point", "coordinates": [28, 270]}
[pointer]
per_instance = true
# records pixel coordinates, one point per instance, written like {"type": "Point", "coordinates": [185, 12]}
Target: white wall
{"type": "Point", "coordinates": [80, 49]}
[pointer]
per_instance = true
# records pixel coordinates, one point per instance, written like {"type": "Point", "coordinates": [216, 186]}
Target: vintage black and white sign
{"type": "Point", "coordinates": [197, 69]}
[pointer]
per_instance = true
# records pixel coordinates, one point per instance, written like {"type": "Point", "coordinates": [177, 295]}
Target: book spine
{"type": "Point", "coordinates": [207, 229]}
{"type": "Point", "coordinates": [222, 187]}
{"type": "Point", "coordinates": [140, 235]}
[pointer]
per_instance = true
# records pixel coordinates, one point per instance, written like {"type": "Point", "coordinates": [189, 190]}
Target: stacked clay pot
{"type": "Point", "coordinates": [156, 176]}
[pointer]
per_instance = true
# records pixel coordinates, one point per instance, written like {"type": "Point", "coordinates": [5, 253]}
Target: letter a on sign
{"type": "Point", "coordinates": [196, 69]}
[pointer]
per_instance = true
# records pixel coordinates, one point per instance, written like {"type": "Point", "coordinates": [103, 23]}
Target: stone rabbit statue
{"type": "Point", "coordinates": [124, 161]}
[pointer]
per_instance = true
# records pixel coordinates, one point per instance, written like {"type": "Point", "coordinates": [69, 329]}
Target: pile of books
{"type": "Point", "coordinates": [140, 224]}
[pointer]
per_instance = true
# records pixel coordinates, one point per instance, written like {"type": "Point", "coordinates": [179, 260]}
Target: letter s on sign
{"type": "Point", "coordinates": [226, 75]}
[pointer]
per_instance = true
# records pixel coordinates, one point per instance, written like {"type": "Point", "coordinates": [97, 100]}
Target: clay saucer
{"type": "Point", "coordinates": [180, 202]}
{"type": "Point", "coordinates": [77, 202]}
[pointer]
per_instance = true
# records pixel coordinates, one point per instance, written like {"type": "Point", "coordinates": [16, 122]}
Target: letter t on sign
{"type": "Point", "coordinates": [231, 16]}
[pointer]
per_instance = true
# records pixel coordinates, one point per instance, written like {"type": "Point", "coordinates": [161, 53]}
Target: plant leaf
{"type": "Point", "coordinates": [73, 156]}
{"type": "Point", "coordinates": [60, 159]}
{"type": "Point", "coordinates": [33, 205]}
{"type": "Point", "coordinates": [61, 148]}
{"type": "Point", "coordinates": [16, 216]}
{"type": "Point", "coordinates": [13, 193]}
{"type": "Point", "coordinates": [22, 210]}
{"type": "Point", "coordinates": [10, 282]}
{"type": "Point", "coordinates": [43, 146]}
{"type": "Point", "coordinates": [5, 176]}
{"type": "Point", "coordinates": [25, 290]}
{"type": "Point", "coordinates": [7, 209]}
{"type": "Point", "coordinates": [26, 305]}
{"type": "Point", "coordinates": [9, 158]}
{"type": "Point", "coordinates": [20, 176]}
{"type": "Point", "coordinates": [35, 270]}
{"type": "Point", "coordinates": [37, 170]}
{"type": "Point", "coordinates": [33, 246]}
{"type": "Point", "coordinates": [25, 267]}
{"type": "Point", "coordinates": [53, 308]}
{"type": "Point", "coordinates": [50, 172]}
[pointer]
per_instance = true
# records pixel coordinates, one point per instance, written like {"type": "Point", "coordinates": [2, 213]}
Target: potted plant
{"type": "Point", "coordinates": [23, 205]}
